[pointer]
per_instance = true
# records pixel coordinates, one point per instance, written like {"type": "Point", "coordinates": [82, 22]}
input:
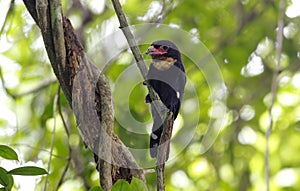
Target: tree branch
{"type": "Point", "coordinates": [164, 113]}
{"type": "Point", "coordinates": [162, 150]}
{"type": "Point", "coordinates": [67, 129]}
{"type": "Point", "coordinates": [159, 106]}
{"type": "Point", "coordinates": [274, 87]}
{"type": "Point", "coordinates": [55, 104]}
{"type": "Point", "coordinates": [40, 87]}
{"type": "Point", "coordinates": [130, 38]}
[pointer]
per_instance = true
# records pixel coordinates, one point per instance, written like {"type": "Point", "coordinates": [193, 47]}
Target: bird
{"type": "Point", "coordinates": [167, 77]}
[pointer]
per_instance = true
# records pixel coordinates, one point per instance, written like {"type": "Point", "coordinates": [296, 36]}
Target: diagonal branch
{"type": "Point", "coordinates": [274, 87]}
{"type": "Point", "coordinates": [137, 55]}
{"type": "Point", "coordinates": [130, 38]}
{"type": "Point", "coordinates": [158, 105]}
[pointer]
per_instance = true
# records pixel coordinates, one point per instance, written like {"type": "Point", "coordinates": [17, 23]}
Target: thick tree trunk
{"type": "Point", "coordinates": [87, 92]}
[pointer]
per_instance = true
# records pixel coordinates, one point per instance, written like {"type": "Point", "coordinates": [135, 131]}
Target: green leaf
{"type": "Point", "coordinates": [4, 180]}
{"type": "Point", "coordinates": [137, 185]}
{"type": "Point", "coordinates": [8, 153]}
{"type": "Point", "coordinates": [28, 171]}
{"type": "Point", "coordinates": [3, 189]}
{"type": "Point", "coordinates": [10, 181]}
{"type": "Point", "coordinates": [121, 185]}
{"type": "Point", "coordinates": [96, 188]}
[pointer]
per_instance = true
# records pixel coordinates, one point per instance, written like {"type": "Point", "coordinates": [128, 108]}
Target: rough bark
{"type": "Point", "coordinates": [87, 92]}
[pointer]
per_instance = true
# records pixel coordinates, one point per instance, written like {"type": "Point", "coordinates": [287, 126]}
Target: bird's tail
{"type": "Point", "coordinates": [155, 140]}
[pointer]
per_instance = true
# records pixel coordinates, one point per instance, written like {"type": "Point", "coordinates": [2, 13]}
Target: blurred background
{"type": "Point", "coordinates": [241, 35]}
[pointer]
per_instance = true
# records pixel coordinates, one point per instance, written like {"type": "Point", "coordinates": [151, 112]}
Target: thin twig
{"type": "Point", "coordinates": [36, 89]}
{"type": "Point", "coordinates": [64, 172]}
{"type": "Point", "coordinates": [38, 149]}
{"type": "Point", "coordinates": [40, 87]}
{"type": "Point", "coordinates": [55, 103]}
{"type": "Point", "coordinates": [149, 171]}
{"type": "Point", "coordinates": [274, 87]}
{"type": "Point", "coordinates": [66, 127]}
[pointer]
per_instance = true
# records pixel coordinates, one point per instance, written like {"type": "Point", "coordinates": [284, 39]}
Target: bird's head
{"type": "Point", "coordinates": [164, 53]}
{"type": "Point", "coordinates": [163, 48]}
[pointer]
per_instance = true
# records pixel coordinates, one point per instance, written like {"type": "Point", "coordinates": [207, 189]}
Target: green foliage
{"type": "Point", "coordinates": [28, 171]}
{"type": "Point", "coordinates": [8, 153]}
{"type": "Point", "coordinates": [96, 188]}
{"type": "Point", "coordinates": [235, 32]}
{"type": "Point", "coordinates": [135, 185]}
{"type": "Point", "coordinates": [121, 185]}
{"type": "Point", "coordinates": [6, 178]}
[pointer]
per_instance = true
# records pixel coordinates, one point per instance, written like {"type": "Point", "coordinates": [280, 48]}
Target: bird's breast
{"type": "Point", "coordinates": [163, 63]}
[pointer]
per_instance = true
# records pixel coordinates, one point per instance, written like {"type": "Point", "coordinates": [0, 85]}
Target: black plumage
{"type": "Point", "coordinates": [167, 77]}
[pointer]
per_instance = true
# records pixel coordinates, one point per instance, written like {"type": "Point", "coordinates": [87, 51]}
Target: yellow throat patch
{"type": "Point", "coordinates": [163, 63]}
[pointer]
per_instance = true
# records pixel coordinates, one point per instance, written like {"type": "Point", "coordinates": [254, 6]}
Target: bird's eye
{"type": "Point", "coordinates": [165, 47]}
{"type": "Point", "coordinates": [156, 46]}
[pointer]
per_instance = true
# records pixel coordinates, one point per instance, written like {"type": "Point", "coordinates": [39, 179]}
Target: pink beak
{"type": "Point", "coordinates": [152, 51]}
